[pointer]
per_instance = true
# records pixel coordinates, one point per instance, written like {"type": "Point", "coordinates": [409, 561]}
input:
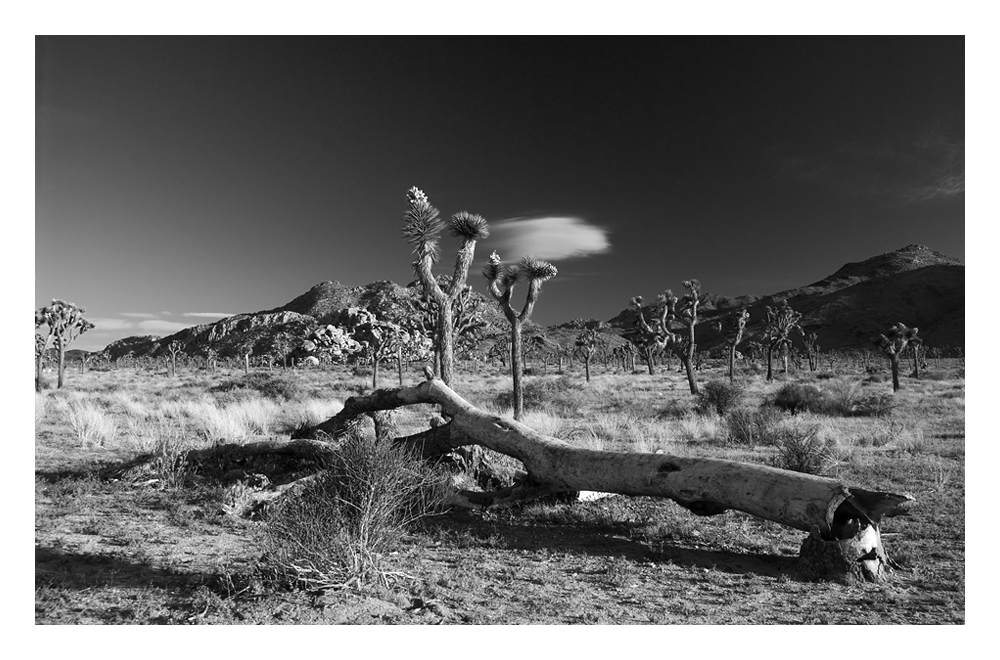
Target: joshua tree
{"type": "Point", "coordinates": [589, 342]}
{"type": "Point", "coordinates": [626, 353]}
{"type": "Point", "coordinates": [779, 324]}
{"type": "Point", "coordinates": [733, 335]}
{"type": "Point", "coordinates": [469, 322]}
{"type": "Point", "coordinates": [244, 349]}
{"type": "Point", "coordinates": [65, 323]}
{"type": "Point", "coordinates": [422, 228]}
{"type": "Point", "coordinates": [380, 340]}
{"type": "Point", "coordinates": [673, 311]}
{"type": "Point", "coordinates": [211, 355]}
{"type": "Point", "coordinates": [893, 344]}
{"type": "Point", "coordinates": [812, 349]}
{"type": "Point", "coordinates": [547, 349]}
{"type": "Point", "coordinates": [174, 348]}
{"type": "Point", "coordinates": [502, 279]}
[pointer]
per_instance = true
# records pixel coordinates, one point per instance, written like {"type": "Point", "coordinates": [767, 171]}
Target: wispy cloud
{"type": "Point", "coordinates": [209, 315]}
{"type": "Point", "coordinates": [139, 315]}
{"type": "Point", "coordinates": [110, 324]}
{"type": "Point", "coordinates": [160, 326]}
{"type": "Point", "coordinates": [550, 238]}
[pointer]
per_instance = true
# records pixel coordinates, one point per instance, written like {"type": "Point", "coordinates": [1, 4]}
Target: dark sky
{"type": "Point", "coordinates": [183, 178]}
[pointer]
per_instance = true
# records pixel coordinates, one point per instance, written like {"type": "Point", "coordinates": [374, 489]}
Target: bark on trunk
{"type": "Point", "coordinates": [517, 367]}
{"type": "Point", "coordinates": [770, 351]}
{"type": "Point", "coordinates": [894, 363]}
{"type": "Point", "coordinates": [62, 361]}
{"type": "Point", "coordinates": [692, 383]}
{"type": "Point", "coordinates": [445, 339]}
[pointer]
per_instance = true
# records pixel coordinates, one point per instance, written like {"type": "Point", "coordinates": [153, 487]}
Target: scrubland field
{"type": "Point", "coordinates": [170, 549]}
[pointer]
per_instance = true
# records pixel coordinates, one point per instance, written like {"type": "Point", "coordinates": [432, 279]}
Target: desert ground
{"type": "Point", "coordinates": [170, 548]}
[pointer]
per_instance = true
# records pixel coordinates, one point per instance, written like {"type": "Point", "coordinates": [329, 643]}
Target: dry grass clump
{"type": "Point", "coordinates": [752, 427]}
{"type": "Point", "coordinates": [41, 404]}
{"type": "Point", "coordinates": [804, 446]}
{"type": "Point", "coordinates": [338, 531]}
{"type": "Point", "coordinates": [91, 423]}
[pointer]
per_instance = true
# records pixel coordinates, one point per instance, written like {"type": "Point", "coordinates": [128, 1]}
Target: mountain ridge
{"type": "Point", "coordinates": [914, 285]}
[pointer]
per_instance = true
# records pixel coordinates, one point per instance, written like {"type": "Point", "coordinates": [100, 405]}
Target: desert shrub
{"type": "Point", "coordinates": [752, 428]}
{"type": "Point", "coordinates": [718, 396]}
{"type": "Point", "coordinates": [876, 404]}
{"type": "Point", "coordinates": [268, 385]}
{"type": "Point", "coordinates": [842, 397]}
{"type": "Point", "coordinates": [796, 398]}
{"type": "Point", "coordinates": [803, 448]}
{"type": "Point", "coordinates": [339, 529]}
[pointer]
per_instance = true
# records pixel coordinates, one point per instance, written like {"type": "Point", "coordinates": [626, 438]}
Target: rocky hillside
{"type": "Point", "coordinates": [913, 285]}
{"type": "Point", "coordinates": [291, 322]}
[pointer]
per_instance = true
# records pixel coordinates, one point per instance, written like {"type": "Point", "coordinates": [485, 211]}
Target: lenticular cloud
{"type": "Point", "coordinates": [548, 238]}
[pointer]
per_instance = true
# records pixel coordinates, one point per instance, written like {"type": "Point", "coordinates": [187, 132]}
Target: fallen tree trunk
{"type": "Point", "coordinates": [832, 512]}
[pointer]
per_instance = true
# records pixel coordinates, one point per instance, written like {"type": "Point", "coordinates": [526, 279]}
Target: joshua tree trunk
{"type": "Point", "coordinates": [374, 372]}
{"type": "Point", "coordinates": [732, 361]}
{"type": "Point", "coordinates": [689, 370]}
{"type": "Point", "coordinates": [62, 360]}
{"type": "Point", "coordinates": [649, 360]}
{"type": "Point", "coordinates": [399, 363]}
{"type": "Point", "coordinates": [894, 364]}
{"type": "Point", "coordinates": [517, 366]}
{"type": "Point", "coordinates": [446, 340]}
{"type": "Point", "coordinates": [586, 366]}
{"type": "Point", "coordinates": [770, 350]}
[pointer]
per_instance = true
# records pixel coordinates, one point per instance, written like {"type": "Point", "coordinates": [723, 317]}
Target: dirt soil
{"type": "Point", "coordinates": [144, 553]}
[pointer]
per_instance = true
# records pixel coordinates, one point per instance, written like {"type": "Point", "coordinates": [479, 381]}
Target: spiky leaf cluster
{"type": "Point", "coordinates": [780, 322]}
{"type": "Point", "coordinates": [422, 225]}
{"type": "Point", "coordinates": [897, 339]}
{"type": "Point", "coordinates": [469, 226]}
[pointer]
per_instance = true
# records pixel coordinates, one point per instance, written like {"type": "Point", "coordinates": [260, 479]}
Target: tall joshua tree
{"type": "Point", "coordinates": [589, 342]}
{"type": "Point", "coordinates": [422, 228]}
{"type": "Point", "coordinates": [680, 314]}
{"type": "Point", "coordinates": [777, 328]}
{"type": "Point", "coordinates": [65, 323]}
{"type": "Point", "coordinates": [501, 279]}
{"type": "Point", "coordinates": [893, 344]}
{"type": "Point", "coordinates": [733, 335]}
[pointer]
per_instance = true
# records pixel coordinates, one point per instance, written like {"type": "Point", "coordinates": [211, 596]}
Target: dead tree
{"type": "Point", "coordinates": [422, 229]}
{"type": "Point", "coordinates": [65, 323]}
{"type": "Point", "coordinates": [842, 521]}
{"type": "Point", "coordinates": [501, 279]}
{"type": "Point", "coordinates": [893, 344]}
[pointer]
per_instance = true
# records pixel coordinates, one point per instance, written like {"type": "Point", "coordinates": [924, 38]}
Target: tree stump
{"type": "Point", "coordinates": [858, 558]}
